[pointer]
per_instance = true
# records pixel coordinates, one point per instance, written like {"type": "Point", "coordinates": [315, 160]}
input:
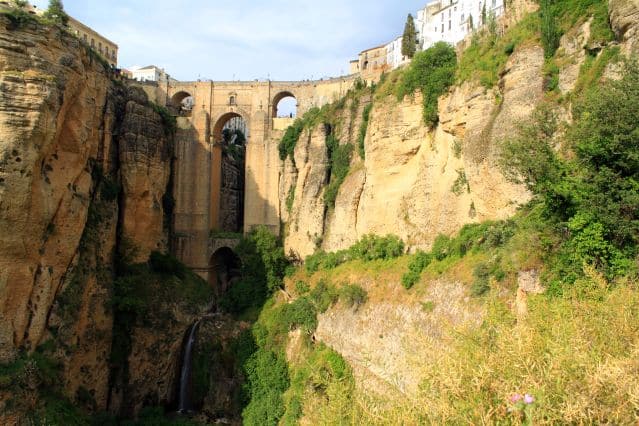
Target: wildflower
{"type": "Point", "coordinates": [529, 399]}
{"type": "Point", "coordinates": [516, 398]}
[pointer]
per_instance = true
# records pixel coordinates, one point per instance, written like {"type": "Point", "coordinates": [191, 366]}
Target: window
{"type": "Point", "coordinates": [462, 17]}
{"type": "Point", "coordinates": [85, 37]}
{"type": "Point", "coordinates": [442, 28]}
{"type": "Point", "coordinates": [442, 17]}
{"type": "Point", "coordinates": [232, 100]}
{"type": "Point", "coordinates": [450, 25]}
{"type": "Point", "coordinates": [92, 42]}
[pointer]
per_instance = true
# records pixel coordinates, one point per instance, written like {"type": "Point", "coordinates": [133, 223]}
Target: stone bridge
{"type": "Point", "coordinates": [198, 160]}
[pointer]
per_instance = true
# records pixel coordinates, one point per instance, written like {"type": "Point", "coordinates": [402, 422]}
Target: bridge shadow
{"type": "Point", "coordinates": [197, 185]}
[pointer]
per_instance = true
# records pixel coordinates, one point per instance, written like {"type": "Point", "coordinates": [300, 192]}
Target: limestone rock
{"type": "Point", "coordinates": [624, 19]}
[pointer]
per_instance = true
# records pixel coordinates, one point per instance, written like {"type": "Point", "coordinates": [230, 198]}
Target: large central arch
{"type": "Point", "coordinates": [228, 172]}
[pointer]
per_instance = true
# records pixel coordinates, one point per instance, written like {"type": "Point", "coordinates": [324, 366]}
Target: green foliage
{"type": "Point", "coordinates": [487, 54]}
{"type": "Point", "coordinates": [169, 122]}
{"type": "Point", "coordinates": [461, 183]}
{"type": "Point", "coordinates": [266, 380]}
{"type": "Point", "coordinates": [432, 72]}
{"type": "Point", "coordinates": [457, 148]}
{"type": "Point", "coordinates": [409, 39]}
{"type": "Point", "coordinates": [19, 17]}
{"type": "Point", "coordinates": [340, 160]}
{"type": "Point", "coordinates": [286, 146]}
{"type": "Point", "coordinates": [417, 264]}
{"type": "Point", "coordinates": [373, 247]}
{"type": "Point", "coordinates": [56, 14]}
{"type": "Point", "coordinates": [361, 137]}
{"type": "Point", "coordinates": [593, 68]}
{"type": "Point", "coordinates": [591, 194]}
{"type": "Point", "coordinates": [482, 273]}
{"type": "Point", "coordinates": [323, 295]}
{"type": "Point", "coordinates": [551, 76]}
{"type": "Point", "coordinates": [550, 34]}
{"type": "Point", "coordinates": [353, 295]}
{"type": "Point", "coordinates": [301, 287]}
{"type": "Point", "coordinates": [301, 313]}
{"type": "Point", "coordinates": [370, 247]}
{"type": "Point", "coordinates": [290, 199]}
{"type": "Point", "coordinates": [324, 373]}
{"type": "Point", "coordinates": [263, 267]}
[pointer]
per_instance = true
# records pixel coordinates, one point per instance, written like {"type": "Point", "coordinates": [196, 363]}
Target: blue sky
{"type": "Point", "coordinates": [243, 39]}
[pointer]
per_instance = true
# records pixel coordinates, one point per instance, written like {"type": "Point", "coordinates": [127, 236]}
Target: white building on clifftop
{"type": "Point", "coordinates": [452, 20]}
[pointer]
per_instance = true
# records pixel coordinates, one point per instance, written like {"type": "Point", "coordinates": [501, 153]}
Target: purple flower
{"type": "Point", "coordinates": [528, 399]}
{"type": "Point", "coordinates": [515, 398]}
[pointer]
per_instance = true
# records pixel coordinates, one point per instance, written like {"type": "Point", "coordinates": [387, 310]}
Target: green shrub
{"type": "Point", "coordinates": [361, 137]}
{"type": "Point", "coordinates": [340, 160]}
{"type": "Point", "coordinates": [481, 285]}
{"type": "Point", "coordinates": [417, 264]}
{"type": "Point", "coordinates": [323, 296]}
{"type": "Point", "coordinates": [373, 247]}
{"type": "Point", "coordinates": [301, 313]}
{"type": "Point", "coordinates": [461, 183]}
{"type": "Point", "coordinates": [267, 379]}
{"type": "Point", "coordinates": [353, 295]}
{"type": "Point", "coordinates": [301, 287]}
{"type": "Point", "coordinates": [167, 264]}
{"type": "Point", "coordinates": [432, 72]}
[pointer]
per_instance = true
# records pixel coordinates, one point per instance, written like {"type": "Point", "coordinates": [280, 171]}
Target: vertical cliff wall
{"type": "Point", "coordinates": [84, 165]}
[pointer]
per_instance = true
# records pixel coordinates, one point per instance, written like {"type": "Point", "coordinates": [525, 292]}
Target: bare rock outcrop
{"type": "Point", "coordinates": [417, 182]}
{"type": "Point", "coordinates": [624, 19]}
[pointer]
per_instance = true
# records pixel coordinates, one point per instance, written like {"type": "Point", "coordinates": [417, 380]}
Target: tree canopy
{"type": "Point", "coordinates": [409, 40]}
{"type": "Point", "coordinates": [55, 12]}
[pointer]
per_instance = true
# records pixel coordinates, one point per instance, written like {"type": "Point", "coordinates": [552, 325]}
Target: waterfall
{"type": "Point", "coordinates": [184, 403]}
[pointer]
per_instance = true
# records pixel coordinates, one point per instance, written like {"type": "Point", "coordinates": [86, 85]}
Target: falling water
{"type": "Point", "coordinates": [185, 373]}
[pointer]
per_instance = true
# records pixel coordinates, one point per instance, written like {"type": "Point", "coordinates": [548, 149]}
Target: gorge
{"type": "Point", "coordinates": [216, 263]}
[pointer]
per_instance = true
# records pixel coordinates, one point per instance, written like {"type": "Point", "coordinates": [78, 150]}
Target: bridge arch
{"type": "Point", "coordinates": [224, 269]}
{"type": "Point", "coordinates": [225, 119]}
{"type": "Point", "coordinates": [281, 97]}
{"type": "Point", "coordinates": [182, 102]}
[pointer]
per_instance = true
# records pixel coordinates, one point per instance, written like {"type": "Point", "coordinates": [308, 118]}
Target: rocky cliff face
{"type": "Point", "coordinates": [84, 165]}
{"type": "Point", "coordinates": [404, 186]}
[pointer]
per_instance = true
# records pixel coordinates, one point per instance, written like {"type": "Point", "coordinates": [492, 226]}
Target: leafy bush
{"type": "Point", "coordinates": [323, 295]}
{"type": "Point", "coordinates": [417, 264]}
{"type": "Point", "coordinates": [353, 295]}
{"type": "Point", "coordinates": [167, 264]}
{"type": "Point", "coordinates": [266, 380]}
{"type": "Point", "coordinates": [340, 160]}
{"type": "Point", "coordinates": [373, 247]}
{"type": "Point", "coordinates": [286, 147]}
{"type": "Point", "coordinates": [301, 287]}
{"type": "Point", "coordinates": [594, 194]}
{"type": "Point", "coordinates": [432, 72]}
{"type": "Point", "coordinates": [361, 137]}
{"type": "Point", "coordinates": [300, 313]}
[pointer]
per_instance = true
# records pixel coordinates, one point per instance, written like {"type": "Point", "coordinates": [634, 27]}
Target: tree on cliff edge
{"type": "Point", "coordinates": [55, 12]}
{"type": "Point", "coordinates": [409, 41]}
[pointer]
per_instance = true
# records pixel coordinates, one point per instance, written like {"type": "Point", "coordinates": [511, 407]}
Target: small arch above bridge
{"type": "Point", "coordinates": [284, 104]}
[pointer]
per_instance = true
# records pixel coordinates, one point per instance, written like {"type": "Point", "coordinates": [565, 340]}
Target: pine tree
{"type": "Point", "coordinates": [409, 41]}
{"type": "Point", "coordinates": [56, 12]}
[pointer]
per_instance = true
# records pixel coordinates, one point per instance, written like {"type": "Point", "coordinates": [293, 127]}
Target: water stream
{"type": "Point", "coordinates": [184, 401]}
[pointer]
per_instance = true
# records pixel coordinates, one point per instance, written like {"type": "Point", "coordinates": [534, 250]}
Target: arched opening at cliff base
{"type": "Point", "coordinates": [225, 270]}
{"type": "Point", "coordinates": [182, 103]}
{"type": "Point", "coordinates": [230, 135]}
{"type": "Point", "coordinates": [284, 105]}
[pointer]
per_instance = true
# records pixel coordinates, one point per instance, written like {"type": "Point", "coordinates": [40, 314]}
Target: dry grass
{"type": "Point", "coordinates": [578, 356]}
